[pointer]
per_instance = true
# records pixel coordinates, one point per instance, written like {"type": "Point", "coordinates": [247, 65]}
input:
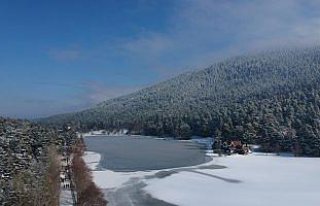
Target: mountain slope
{"type": "Point", "coordinates": [263, 98]}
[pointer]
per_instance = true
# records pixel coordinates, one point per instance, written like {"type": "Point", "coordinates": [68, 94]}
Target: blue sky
{"type": "Point", "coordinates": [65, 55]}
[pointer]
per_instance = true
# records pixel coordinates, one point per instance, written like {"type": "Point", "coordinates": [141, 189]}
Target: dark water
{"type": "Point", "coordinates": [138, 153]}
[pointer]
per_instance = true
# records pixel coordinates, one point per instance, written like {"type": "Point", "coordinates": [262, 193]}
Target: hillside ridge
{"type": "Point", "coordinates": [231, 98]}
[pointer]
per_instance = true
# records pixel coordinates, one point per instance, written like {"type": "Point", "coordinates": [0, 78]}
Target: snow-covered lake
{"type": "Point", "coordinates": [254, 180]}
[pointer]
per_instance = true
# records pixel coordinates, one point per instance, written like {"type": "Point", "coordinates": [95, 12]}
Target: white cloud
{"type": "Point", "coordinates": [153, 43]}
{"type": "Point", "coordinates": [95, 92]}
{"type": "Point", "coordinates": [202, 31]}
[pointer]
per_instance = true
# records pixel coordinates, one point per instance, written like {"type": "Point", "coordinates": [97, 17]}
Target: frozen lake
{"type": "Point", "coordinates": [139, 153]}
{"type": "Point", "coordinates": [255, 179]}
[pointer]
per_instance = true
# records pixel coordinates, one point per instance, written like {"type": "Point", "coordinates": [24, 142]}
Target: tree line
{"type": "Point", "coordinates": [30, 165]}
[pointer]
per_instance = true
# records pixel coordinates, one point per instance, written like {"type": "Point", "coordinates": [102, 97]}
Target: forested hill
{"type": "Point", "coordinates": [271, 98]}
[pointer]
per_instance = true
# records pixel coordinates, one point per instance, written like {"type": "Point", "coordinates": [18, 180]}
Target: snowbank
{"type": "Point", "coordinates": [92, 159]}
{"type": "Point", "coordinates": [121, 132]}
{"type": "Point", "coordinates": [107, 179]}
{"type": "Point", "coordinates": [248, 180]}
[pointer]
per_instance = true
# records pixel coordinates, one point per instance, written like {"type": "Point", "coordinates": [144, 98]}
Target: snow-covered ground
{"type": "Point", "coordinates": [253, 180]}
{"type": "Point", "coordinates": [121, 132]}
{"type": "Point", "coordinates": [107, 179]}
{"type": "Point", "coordinates": [92, 159]}
{"type": "Point", "coordinates": [263, 180]}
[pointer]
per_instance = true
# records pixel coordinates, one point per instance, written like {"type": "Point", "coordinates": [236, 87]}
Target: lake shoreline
{"type": "Point", "coordinates": [131, 183]}
{"type": "Point", "coordinates": [140, 153]}
{"type": "Point", "coordinates": [182, 186]}
{"type": "Point", "coordinates": [121, 188]}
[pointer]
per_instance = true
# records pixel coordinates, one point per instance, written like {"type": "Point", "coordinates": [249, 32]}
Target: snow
{"type": "Point", "coordinates": [254, 180]}
{"type": "Point", "coordinates": [113, 180]}
{"type": "Point", "coordinates": [120, 132]}
{"type": "Point", "coordinates": [264, 181]}
{"type": "Point", "coordinates": [107, 179]}
{"type": "Point", "coordinates": [65, 198]}
{"type": "Point", "coordinates": [92, 159]}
